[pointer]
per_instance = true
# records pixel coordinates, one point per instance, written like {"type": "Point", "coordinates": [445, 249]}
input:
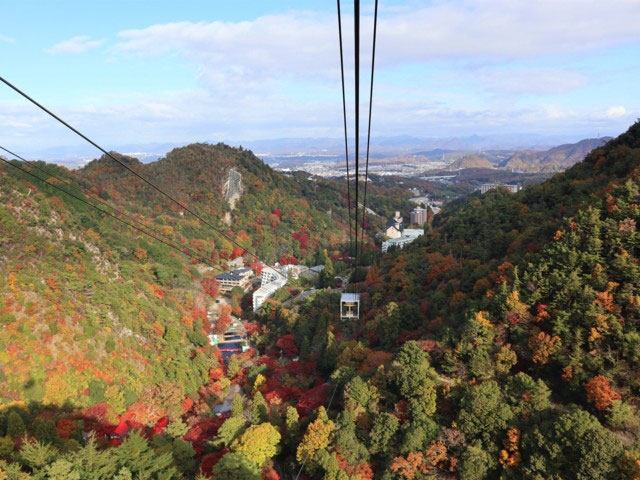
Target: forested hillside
{"type": "Point", "coordinates": [274, 215]}
{"type": "Point", "coordinates": [502, 345]}
{"type": "Point", "coordinates": [102, 324]}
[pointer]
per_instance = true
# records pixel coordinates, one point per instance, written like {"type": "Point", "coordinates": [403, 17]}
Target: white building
{"type": "Point", "coordinates": [394, 226]}
{"type": "Point", "coordinates": [408, 235]}
{"type": "Point", "coordinates": [294, 270]}
{"type": "Point", "coordinates": [485, 187]}
{"type": "Point", "coordinates": [272, 280]}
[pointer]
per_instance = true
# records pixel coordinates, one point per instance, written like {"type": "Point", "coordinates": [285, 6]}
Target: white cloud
{"type": "Point", "coordinates": [278, 75]}
{"type": "Point", "coordinates": [305, 43]}
{"type": "Point", "coordinates": [616, 111]}
{"type": "Point", "coordinates": [527, 80]}
{"type": "Point", "coordinates": [74, 45]}
{"type": "Point", "coordinates": [5, 39]}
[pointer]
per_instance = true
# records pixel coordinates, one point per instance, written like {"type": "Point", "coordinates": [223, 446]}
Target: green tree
{"type": "Point", "coordinates": [184, 455]}
{"type": "Point", "coordinates": [381, 435]}
{"type": "Point", "coordinates": [259, 409]}
{"type": "Point", "coordinates": [236, 466]}
{"type": "Point", "coordinates": [571, 445]}
{"type": "Point", "coordinates": [177, 428]}
{"type": "Point", "coordinates": [237, 406]}
{"type": "Point", "coordinates": [475, 463]}
{"type": "Point", "coordinates": [6, 447]}
{"type": "Point", "coordinates": [483, 412]}
{"type": "Point", "coordinates": [15, 424]}
{"type": "Point", "coordinates": [37, 455]}
{"type": "Point", "coordinates": [228, 431]}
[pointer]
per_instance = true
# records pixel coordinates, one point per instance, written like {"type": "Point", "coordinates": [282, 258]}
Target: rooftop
{"type": "Point", "coordinates": [228, 276]}
{"type": "Point", "coordinates": [350, 297]}
{"type": "Point", "coordinates": [242, 270]}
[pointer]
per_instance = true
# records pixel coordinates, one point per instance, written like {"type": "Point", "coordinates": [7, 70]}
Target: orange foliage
{"type": "Point", "coordinates": [410, 466]}
{"type": "Point", "coordinates": [157, 291]}
{"type": "Point", "coordinates": [543, 346]}
{"type": "Point", "coordinates": [599, 392]}
{"type": "Point", "coordinates": [159, 329]}
{"type": "Point", "coordinates": [188, 321]}
{"type": "Point", "coordinates": [51, 283]}
{"type": "Point", "coordinates": [510, 456]}
{"type": "Point", "coordinates": [567, 374]}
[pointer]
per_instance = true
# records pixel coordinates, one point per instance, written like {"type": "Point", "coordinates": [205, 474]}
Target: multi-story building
{"type": "Point", "coordinates": [418, 216]}
{"type": "Point", "coordinates": [408, 235]}
{"type": "Point", "coordinates": [239, 277]}
{"type": "Point", "coordinates": [272, 280]}
{"type": "Point", "coordinates": [394, 226]}
{"type": "Point", "coordinates": [485, 187]}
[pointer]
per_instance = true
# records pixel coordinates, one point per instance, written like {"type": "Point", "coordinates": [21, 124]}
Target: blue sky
{"type": "Point", "coordinates": [136, 72]}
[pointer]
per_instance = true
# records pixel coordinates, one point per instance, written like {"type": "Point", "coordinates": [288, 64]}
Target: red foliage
{"type": "Point", "coordinates": [251, 328]}
{"type": "Point", "coordinates": [65, 427]}
{"type": "Point", "coordinates": [204, 430]}
{"type": "Point", "coordinates": [158, 292]}
{"type": "Point", "coordinates": [313, 399]}
{"type": "Point", "coordinates": [278, 213]}
{"type": "Point", "coordinates": [288, 345]}
{"type": "Point", "coordinates": [210, 287]}
{"type": "Point", "coordinates": [237, 252]}
{"type": "Point", "coordinates": [209, 461]}
{"type": "Point", "coordinates": [427, 345]}
{"type": "Point", "coordinates": [98, 412]}
{"type": "Point", "coordinates": [269, 473]}
{"type": "Point", "coordinates": [302, 236]}
{"type": "Point", "coordinates": [256, 267]}
{"type": "Point", "coordinates": [159, 426]}
{"type": "Point", "coordinates": [288, 260]}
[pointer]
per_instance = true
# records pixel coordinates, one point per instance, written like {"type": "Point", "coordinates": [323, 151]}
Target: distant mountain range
{"type": "Point", "coordinates": [555, 159]}
{"type": "Point", "coordinates": [285, 150]}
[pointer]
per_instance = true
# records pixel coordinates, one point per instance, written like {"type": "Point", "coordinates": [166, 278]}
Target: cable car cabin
{"type": "Point", "coordinates": [349, 306]}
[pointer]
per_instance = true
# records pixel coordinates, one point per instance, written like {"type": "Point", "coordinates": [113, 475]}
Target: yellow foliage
{"type": "Point", "coordinates": [594, 335]}
{"type": "Point", "coordinates": [259, 381]}
{"type": "Point", "coordinates": [316, 438]}
{"type": "Point", "coordinates": [57, 390]}
{"type": "Point", "coordinates": [480, 318]}
{"type": "Point", "coordinates": [258, 444]}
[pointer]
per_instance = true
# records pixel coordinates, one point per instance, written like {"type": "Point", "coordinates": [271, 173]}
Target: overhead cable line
{"type": "Point", "coordinates": [356, 36]}
{"type": "Point", "coordinates": [141, 230]}
{"type": "Point", "coordinates": [344, 114]}
{"type": "Point", "coordinates": [127, 167]}
{"type": "Point", "coordinates": [92, 197]}
{"type": "Point", "coordinates": [366, 174]}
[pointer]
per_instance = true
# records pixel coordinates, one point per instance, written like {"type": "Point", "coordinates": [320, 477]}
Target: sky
{"type": "Point", "coordinates": [143, 72]}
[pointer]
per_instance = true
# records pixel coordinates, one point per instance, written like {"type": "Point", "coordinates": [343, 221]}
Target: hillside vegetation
{"type": "Point", "coordinates": [501, 345]}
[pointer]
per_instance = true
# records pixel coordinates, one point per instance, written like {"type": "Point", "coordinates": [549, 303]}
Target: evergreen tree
{"type": "Point", "coordinates": [15, 425]}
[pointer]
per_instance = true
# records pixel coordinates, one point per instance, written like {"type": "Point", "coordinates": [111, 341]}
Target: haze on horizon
{"type": "Point", "coordinates": [127, 74]}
